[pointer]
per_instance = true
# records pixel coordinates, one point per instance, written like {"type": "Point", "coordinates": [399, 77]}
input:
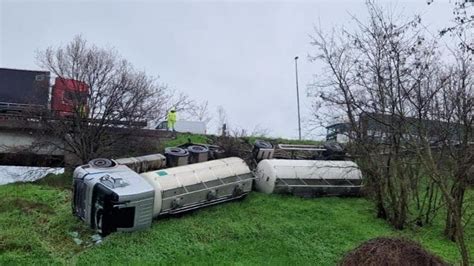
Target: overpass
{"type": "Point", "coordinates": [19, 137]}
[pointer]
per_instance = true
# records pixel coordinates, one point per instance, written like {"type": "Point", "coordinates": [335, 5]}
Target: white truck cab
{"type": "Point", "coordinates": [338, 132]}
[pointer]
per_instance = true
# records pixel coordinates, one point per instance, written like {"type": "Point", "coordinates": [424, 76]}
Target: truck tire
{"type": "Point", "coordinates": [175, 151]}
{"type": "Point", "coordinates": [176, 156]}
{"type": "Point", "coordinates": [334, 151]}
{"type": "Point", "coordinates": [101, 163]}
{"type": "Point", "coordinates": [197, 149]}
{"type": "Point", "coordinates": [333, 147]}
{"type": "Point", "coordinates": [262, 144]}
{"type": "Point", "coordinates": [215, 152]}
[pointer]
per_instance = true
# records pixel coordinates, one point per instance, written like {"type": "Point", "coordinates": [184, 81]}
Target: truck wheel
{"type": "Point", "coordinates": [215, 152]}
{"type": "Point", "coordinates": [197, 149]}
{"type": "Point", "coordinates": [101, 163]}
{"type": "Point", "coordinates": [334, 151]}
{"type": "Point", "coordinates": [333, 147]}
{"type": "Point", "coordinates": [175, 151]}
{"type": "Point", "coordinates": [262, 144]}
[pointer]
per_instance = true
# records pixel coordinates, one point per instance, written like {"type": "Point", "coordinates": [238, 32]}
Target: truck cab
{"type": "Point", "coordinates": [68, 94]}
{"type": "Point", "coordinates": [338, 132]}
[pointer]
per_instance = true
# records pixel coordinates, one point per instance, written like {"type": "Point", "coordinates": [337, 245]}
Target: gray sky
{"type": "Point", "coordinates": [237, 54]}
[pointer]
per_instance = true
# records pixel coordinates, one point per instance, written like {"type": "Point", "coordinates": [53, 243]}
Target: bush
{"type": "Point", "coordinates": [61, 181]}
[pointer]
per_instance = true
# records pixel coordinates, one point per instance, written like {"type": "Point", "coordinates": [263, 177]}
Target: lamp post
{"type": "Point", "coordinates": [298, 97]}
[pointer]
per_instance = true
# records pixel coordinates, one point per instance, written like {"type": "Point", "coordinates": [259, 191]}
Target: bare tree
{"type": "Point", "coordinates": [200, 112]}
{"type": "Point", "coordinates": [109, 98]}
{"type": "Point", "coordinates": [366, 73]}
{"type": "Point", "coordinates": [180, 101]}
{"type": "Point", "coordinates": [450, 160]}
{"type": "Point", "coordinates": [463, 24]}
{"type": "Point", "coordinates": [409, 114]}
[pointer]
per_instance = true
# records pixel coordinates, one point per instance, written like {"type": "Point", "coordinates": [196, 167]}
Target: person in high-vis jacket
{"type": "Point", "coordinates": [83, 111]}
{"type": "Point", "coordinates": [171, 119]}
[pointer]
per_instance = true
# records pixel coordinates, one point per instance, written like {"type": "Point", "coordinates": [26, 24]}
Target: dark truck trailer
{"type": "Point", "coordinates": [22, 90]}
{"type": "Point", "coordinates": [29, 92]}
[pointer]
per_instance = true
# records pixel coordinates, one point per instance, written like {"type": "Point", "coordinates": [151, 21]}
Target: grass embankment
{"type": "Point", "coordinates": [36, 221]}
{"type": "Point", "coordinates": [182, 138]}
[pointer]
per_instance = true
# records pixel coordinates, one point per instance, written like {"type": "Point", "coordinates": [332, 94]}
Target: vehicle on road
{"type": "Point", "coordinates": [195, 127]}
{"type": "Point", "coordinates": [30, 91]}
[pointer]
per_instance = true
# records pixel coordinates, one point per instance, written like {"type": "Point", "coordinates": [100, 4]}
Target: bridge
{"type": "Point", "coordinates": [19, 136]}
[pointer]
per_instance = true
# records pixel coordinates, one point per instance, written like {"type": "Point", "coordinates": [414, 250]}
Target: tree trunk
{"type": "Point", "coordinates": [454, 228]}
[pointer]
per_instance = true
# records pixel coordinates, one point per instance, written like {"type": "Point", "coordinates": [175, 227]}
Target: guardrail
{"type": "Point", "coordinates": [37, 118]}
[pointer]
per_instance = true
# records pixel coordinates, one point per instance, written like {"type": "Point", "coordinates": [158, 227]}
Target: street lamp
{"type": "Point", "coordinates": [298, 97]}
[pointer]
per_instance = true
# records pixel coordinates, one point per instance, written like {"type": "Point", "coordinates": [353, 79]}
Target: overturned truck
{"type": "Point", "coordinates": [112, 197]}
{"type": "Point", "coordinates": [126, 194]}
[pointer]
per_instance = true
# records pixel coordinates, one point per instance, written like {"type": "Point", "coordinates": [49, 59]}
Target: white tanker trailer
{"type": "Point", "coordinates": [308, 178]}
{"type": "Point", "coordinates": [112, 197]}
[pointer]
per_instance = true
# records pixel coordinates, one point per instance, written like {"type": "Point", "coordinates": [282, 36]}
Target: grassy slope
{"type": "Point", "coordinates": [35, 221]}
{"type": "Point", "coordinates": [183, 138]}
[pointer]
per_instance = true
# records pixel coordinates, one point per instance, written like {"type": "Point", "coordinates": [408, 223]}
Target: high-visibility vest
{"type": "Point", "coordinates": [82, 111]}
{"type": "Point", "coordinates": [171, 117]}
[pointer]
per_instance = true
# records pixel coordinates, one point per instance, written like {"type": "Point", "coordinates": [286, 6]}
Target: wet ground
{"type": "Point", "coordinates": [11, 174]}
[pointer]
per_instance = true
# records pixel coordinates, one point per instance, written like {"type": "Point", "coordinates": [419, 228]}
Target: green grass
{"type": "Point", "coordinates": [35, 222]}
{"type": "Point", "coordinates": [182, 138]}
{"type": "Point", "coordinates": [60, 181]}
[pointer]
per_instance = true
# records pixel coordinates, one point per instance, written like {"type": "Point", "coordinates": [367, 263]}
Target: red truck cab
{"type": "Point", "coordinates": [69, 96]}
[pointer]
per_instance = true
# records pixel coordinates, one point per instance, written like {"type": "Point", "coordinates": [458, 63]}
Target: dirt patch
{"type": "Point", "coordinates": [390, 251]}
{"type": "Point", "coordinates": [25, 206]}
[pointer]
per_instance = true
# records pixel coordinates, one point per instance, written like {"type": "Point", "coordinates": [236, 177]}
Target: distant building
{"type": "Point", "coordinates": [379, 127]}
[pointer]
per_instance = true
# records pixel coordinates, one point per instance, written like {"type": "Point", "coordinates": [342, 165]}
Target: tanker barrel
{"type": "Point", "coordinates": [198, 185]}
{"type": "Point", "coordinates": [144, 163]}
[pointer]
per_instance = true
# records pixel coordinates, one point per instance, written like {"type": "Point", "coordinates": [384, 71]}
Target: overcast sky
{"type": "Point", "coordinates": [237, 54]}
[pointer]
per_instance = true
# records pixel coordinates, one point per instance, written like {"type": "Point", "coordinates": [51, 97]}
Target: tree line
{"type": "Point", "coordinates": [409, 103]}
{"type": "Point", "coordinates": [117, 98]}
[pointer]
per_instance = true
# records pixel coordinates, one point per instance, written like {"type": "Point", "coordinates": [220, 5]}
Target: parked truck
{"type": "Point", "coordinates": [29, 91]}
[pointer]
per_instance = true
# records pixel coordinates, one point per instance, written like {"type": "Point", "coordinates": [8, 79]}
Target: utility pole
{"type": "Point", "coordinates": [298, 97]}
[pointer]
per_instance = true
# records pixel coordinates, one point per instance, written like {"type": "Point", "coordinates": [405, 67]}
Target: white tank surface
{"type": "Point", "coordinates": [308, 178]}
{"type": "Point", "coordinates": [197, 185]}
